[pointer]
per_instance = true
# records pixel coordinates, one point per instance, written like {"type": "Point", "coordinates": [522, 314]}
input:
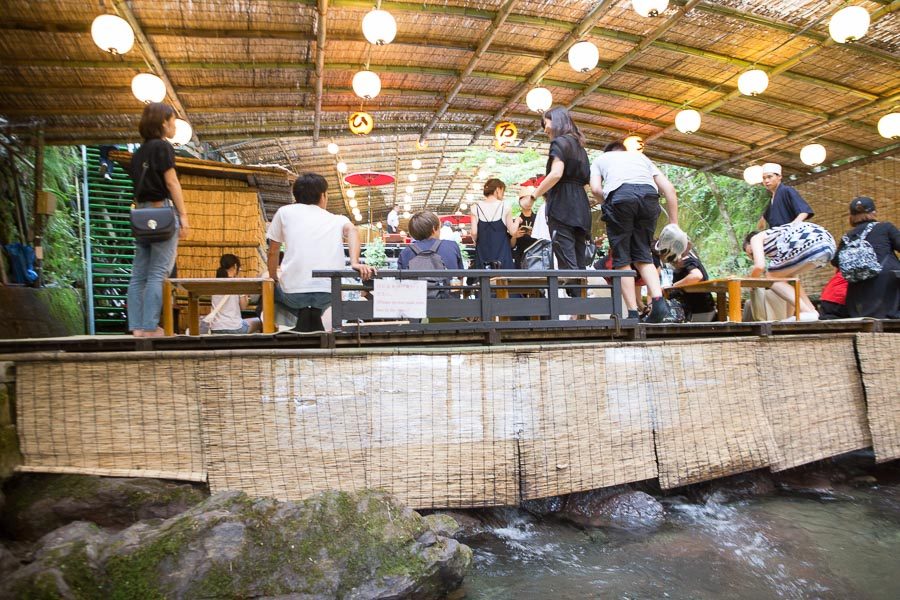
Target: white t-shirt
{"type": "Point", "coordinates": [313, 239]}
{"type": "Point", "coordinates": [229, 316]}
{"type": "Point", "coordinates": [393, 219]}
{"type": "Point", "coordinates": [618, 167]}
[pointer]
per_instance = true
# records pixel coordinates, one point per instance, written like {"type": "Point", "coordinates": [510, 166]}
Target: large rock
{"type": "Point", "coordinates": [335, 544]}
{"type": "Point", "coordinates": [38, 504]}
{"type": "Point", "coordinates": [613, 507]}
{"type": "Point", "coordinates": [8, 562]}
{"type": "Point", "coordinates": [732, 488]}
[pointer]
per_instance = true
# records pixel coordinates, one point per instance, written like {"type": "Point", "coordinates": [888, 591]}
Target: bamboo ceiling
{"type": "Point", "coordinates": [244, 74]}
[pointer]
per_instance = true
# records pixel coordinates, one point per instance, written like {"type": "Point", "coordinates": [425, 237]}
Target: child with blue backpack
{"type": "Point", "coordinates": [429, 252]}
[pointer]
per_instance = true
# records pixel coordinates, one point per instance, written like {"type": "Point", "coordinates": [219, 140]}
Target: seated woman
{"type": "Point", "coordinates": [226, 312]}
{"type": "Point", "coordinates": [791, 249]}
{"type": "Point", "coordinates": [878, 297]}
{"type": "Point", "coordinates": [833, 299]}
{"type": "Point", "coordinates": [699, 307]}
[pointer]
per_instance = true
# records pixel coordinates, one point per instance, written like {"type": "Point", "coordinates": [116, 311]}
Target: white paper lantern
{"type": "Point", "coordinates": [687, 121]}
{"type": "Point", "coordinates": [753, 175]}
{"type": "Point", "coordinates": [333, 148]}
{"type": "Point", "coordinates": [406, 214]}
{"type": "Point", "coordinates": [849, 24]}
{"type": "Point", "coordinates": [351, 193]}
{"type": "Point", "coordinates": [366, 84]}
{"type": "Point", "coordinates": [379, 27]}
{"type": "Point", "coordinates": [812, 154]}
{"type": "Point", "coordinates": [407, 207]}
{"type": "Point", "coordinates": [409, 189]}
{"type": "Point", "coordinates": [412, 177]}
{"type": "Point", "coordinates": [583, 57]}
{"type": "Point", "coordinates": [358, 218]}
{"type": "Point", "coordinates": [416, 163]}
{"type": "Point", "coordinates": [341, 167]}
{"type": "Point", "coordinates": [889, 126]}
{"type": "Point", "coordinates": [112, 34]}
{"type": "Point", "coordinates": [147, 88]}
{"type": "Point", "coordinates": [649, 8]}
{"type": "Point", "coordinates": [482, 174]}
{"type": "Point", "coordinates": [183, 133]}
{"type": "Point", "coordinates": [407, 198]}
{"type": "Point", "coordinates": [539, 99]}
{"type": "Point", "coordinates": [353, 204]}
{"type": "Point", "coordinates": [634, 143]}
{"type": "Point", "coordinates": [463, 206]}
{"type": "Point", "coordinates": [469, 197]}
{"type": "Point", "coordinates": [753, 82]}
{"type": "Point", "coordinates": [491, 161]}
{"type": "Point", "coordinates": [379, 225]}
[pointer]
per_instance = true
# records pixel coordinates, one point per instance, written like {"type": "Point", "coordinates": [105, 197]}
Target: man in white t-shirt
{"type": "Point", "coordinates": [313, 239]}
{"type": "Point", "coordinates": [393, 219]}
{"type": "Point", "coordinates": [629, 185]}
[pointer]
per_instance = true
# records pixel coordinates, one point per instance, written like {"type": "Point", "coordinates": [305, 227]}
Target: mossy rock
{"type": "Point", "coordinates": [334, 545]}
{"type": "Point", "coordinates": [37, 504]}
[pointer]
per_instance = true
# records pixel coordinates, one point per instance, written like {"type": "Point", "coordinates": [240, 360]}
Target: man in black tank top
{"type": "Point", "coordinates": [522, 239]}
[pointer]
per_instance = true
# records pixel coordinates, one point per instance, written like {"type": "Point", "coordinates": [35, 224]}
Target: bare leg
{"type": "Point", "coordinates": [651, 278]}
{"type": "Point", "coordinates": [786, 291]}
{"type": "Point", "coordinates": [628, 294]}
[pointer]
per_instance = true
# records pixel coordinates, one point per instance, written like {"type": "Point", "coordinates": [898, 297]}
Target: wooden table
{"type": "Point", "coordinates": [219, 286]}
{"type": "Point", "coordinates": [732, 287]}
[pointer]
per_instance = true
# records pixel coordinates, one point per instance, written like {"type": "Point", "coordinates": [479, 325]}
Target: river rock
{"type": "Point", "coordinates": [467, 524]}
{"type": "Point", "coordinates": [542, 507]}
{"type": "Point", "coordinates": [8, 562]}
{"type": "Point", "coordinates": [37, 504]}
{"type": "Point", "coordinates": [732, 488]}
{"type": "Point", "coordinates": [626, 509]}
{"type": "Point", "coordinates": [363, 545]}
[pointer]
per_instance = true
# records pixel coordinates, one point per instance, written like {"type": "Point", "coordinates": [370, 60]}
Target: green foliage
{"type": "Point", "coordinates": [511, 168]}
{"type": "Point", "coordinates": [374, 253]}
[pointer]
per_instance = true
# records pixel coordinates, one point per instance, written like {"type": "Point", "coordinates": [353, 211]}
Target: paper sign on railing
{"type": "Point", "coordinates": [399, 299]}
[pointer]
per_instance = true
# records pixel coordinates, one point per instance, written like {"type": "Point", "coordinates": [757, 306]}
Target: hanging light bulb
{"type": "Point", "coordinates": [112, 34]}
{"type": "Point", "coordinates": [753, 175]}
{"type": "Point", "coordinates": [407, 198]}
{"type": "Point", "coordinates": [333, 148]}
{"type": "Point", "coordinates": [491, 161]}
{"type": "Point", "coordinates": [379, 27]}
{"type": "Point", "coordinates": [813, 154]}
{"type": "Point", "coordinates": [687, 121]}
{"type": "Point", "coordinates": [416, 163]}
{"type": "Point", "coordinates": [341, 167]}
{"type": "Point", "coordinates": [583, 57]}
{"type": "Point", "coordinates": [412, 177]}
{"type": "Point", "coordinates": [463, 206]}
{"type": "Point", "coordinates": [353, 204]}
{"type": "Point", "coordinates": [753, 82]}
{"type": "Point", "coordinates": [849, 24]}
{"type": "Point", "coordinates": [650, 8]}
{"type": "Point", "coordinates": [634, 143]}
{"type": "Point", "coordinates": [147, 88]}
{"type": "Point", "coordinates": [409, 189]}
{"type": "Point", "coordinates": [407, 207]}
{"type": "Point", "coordinates": [482, 173]}
{"type": "Point", "coordinates": [469, 197]}
{"type": "Point", "coordinates": [366, 84]}
{"type": "Point", "coordinates": [379, 225]}
{"type": "Point", "coordinates": [889, 126]}
{"type": "Point", "coordinates": [351, 193]}
{"type": "Point", "coordinates": [540, 99]}
{"type": "Point", "coordinates": [406, 214]}
{"type": "Point", "coordinates": [358, 218]}
{"type": "Point", "coordinates": [183, 133]}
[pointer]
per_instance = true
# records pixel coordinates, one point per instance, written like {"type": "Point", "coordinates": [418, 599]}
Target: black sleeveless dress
{"type": "Point", "coordinates": [492, 250]}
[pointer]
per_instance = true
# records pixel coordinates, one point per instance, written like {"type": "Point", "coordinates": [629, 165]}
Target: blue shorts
{"type": "Point", "coordinates": [244, 328]}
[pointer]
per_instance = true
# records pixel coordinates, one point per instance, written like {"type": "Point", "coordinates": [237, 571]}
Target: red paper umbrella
{"type": "Point", "coordinates": [456, 219]}
{"type": "Point", "coordinates": [369, 179]}
{"type": "Point", "coordinates": [533, 181]}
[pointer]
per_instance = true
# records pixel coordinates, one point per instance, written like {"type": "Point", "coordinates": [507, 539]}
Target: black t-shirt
{"type": "Point", "coordinates": [697, 302]}
{"type": "Point", "coordinates": [784, 207]}
{"type": "Point", "coordinates": [567, 201]}
{"type": "Point", "coordinates": [160, 157]}
{"type": "Point", "coordinates": [526, 240]}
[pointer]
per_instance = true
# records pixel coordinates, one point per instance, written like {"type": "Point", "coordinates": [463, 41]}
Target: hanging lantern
{"type": "Point", "coordinates": [849, 24]}
{"type": "Point", "coordinates": [353, 204]}
{"type": "Point", "coordinates": [379, 27]}
{"type": "Point", "coordinates": [421, 144]}
{"type": "Point", "coordinates": [351, 193]}
{"type": "Point", "coordinates": [148, 88]}
{"type": "Point", "coordinates": [407, 207]}
{"type": "Point", "coordinates": [416, 163]}
{"type": "Point", "coordinates": [469, 197]}
{"type": "Point", "coordinates": [583, 56]}
{"type": "Point", "coordinates": [813, 154]}
{"type": "Point", "coordinates": [361, 123]}
{"type": "Point", "coordinates": [753, 175]}
{"type": "Point", "coordinates": [112, 34]}
{"type": "Point", "coordinates": [463, 206]}
{"type": "Point", "coordinates": [341, 167]}
{"type": "Point", "coordinates": [491, 161]}
{"type": "Point", "coordinates": [687, 121]}
{"type": "Point", "coordinates": [650, 8]}
{"type": "Point", "coordinates": [333, 148]}
{"type": "Point", "coordinates": [753, 82]}
{"type": "Point", "coordinates": [366, 84]}
{"type": "Point", "coordinates": [505, 133]}
{"type": "Point", "coordinates": [358, 218]}
{"type": "Point", "coordinates": [407, 198]}
{"type": "Point", "coordinates": [406, 214]}
{"type": "Point", "coordinates": [482, 174]}
{"type": "Point", "coordinates": [412, 177]}
{"type": "Point", "coordinates": [539, 100]}
{"type": "Point", "coordinates": [409, 189]}
{"type": "Point", "coordinates": [634, 143]}
{"type": "Point", "coordinates": [889, 126]}
{"type": "Point", "coordinates": [379, 225]}
{"type": "Point", "coordinates": [183, 133]}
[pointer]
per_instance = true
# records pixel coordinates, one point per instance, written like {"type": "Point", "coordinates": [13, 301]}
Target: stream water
{"type": "Point", "coordinates": [844, 545]}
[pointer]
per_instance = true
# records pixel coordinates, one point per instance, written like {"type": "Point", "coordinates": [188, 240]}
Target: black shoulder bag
{"type": "Point", "coordinates": [151, 225]}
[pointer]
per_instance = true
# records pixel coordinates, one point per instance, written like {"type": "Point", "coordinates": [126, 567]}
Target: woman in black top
{"type": "Point", "coordinates": [153, 173]}
{"type": "Point", "coordinates": [878, 297]}
{"type": "Point", "coordinates": [568, 171]}
{"type": "Point", "coordinates": [688, 270]}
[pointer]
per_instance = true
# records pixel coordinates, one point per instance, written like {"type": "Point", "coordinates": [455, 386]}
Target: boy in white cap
{"type": "Point", "coordinates": [786, 206]}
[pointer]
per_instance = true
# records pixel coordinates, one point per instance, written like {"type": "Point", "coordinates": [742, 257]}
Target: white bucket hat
{"type": "Point", "coordinates": [672, 243]}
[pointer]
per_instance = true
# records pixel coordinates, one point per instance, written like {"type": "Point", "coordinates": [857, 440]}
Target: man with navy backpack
{"type": "Point", "coordinates": [428, 252]}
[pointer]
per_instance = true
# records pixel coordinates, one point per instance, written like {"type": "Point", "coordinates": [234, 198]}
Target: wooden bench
{"type": "Point", "coordinates": [219, 286]}
{"type": "Point", "coordinates": [732, 287]}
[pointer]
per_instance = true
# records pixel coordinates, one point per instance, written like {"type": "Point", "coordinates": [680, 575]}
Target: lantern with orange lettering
{"type": "Point", "coordinates": [361, 123]}
{"type": "Point", "coordinates": [505, 133]}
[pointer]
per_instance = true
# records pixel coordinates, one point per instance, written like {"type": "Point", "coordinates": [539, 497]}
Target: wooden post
{"type": "Point", "coordinates": [796, 283]}
{"type": "Point", "coordinates": [734, 301]}
{"type": "Point", "coordinates": [194, 313]}
{"type": "Point", "coordinates": [167, 317]}
{"type": "Point", "coordinates": [268, 300]}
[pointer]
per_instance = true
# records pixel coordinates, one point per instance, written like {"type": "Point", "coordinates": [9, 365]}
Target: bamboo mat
{"type": "Point", "coordinates": [813, 397]}
{"type": "Point", "coordinates": [880, 366]}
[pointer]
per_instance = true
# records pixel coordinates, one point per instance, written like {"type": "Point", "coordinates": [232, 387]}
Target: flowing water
{"type": "Point", "coordinates": [779, 546]}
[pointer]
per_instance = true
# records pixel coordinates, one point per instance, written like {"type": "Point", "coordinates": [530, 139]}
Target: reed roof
{"type": "Point", "coordinates": [244, 74]}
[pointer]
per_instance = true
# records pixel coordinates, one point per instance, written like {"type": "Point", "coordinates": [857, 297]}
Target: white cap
{"type": "Point", "coordinates": [527, 191]}
{"type": "Point", "coordinates": [672, 242]}
{"type": "Point", "coordinates": [772, 168]}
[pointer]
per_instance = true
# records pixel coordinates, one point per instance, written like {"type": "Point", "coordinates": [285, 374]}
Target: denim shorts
{"type": "Point", "coordinates": [244, 328]}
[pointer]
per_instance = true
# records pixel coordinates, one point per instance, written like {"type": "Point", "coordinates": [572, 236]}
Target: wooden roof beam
{"type": "Point", "coordinates": [124, 10]}
{"type": "Point", "coordinates": [545, 65]}
{"type": "Point", "coordinates": [437, 174]}
{"type": "Point", "coordinates": [498, 21]}
{"type": "Point", "coordinates": [320, 64]}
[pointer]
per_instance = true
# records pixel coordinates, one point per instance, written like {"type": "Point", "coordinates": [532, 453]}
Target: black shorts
{"type": "Point", "coordinates": [630, 226]}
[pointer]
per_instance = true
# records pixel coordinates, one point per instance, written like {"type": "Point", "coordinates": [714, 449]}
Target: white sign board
{"type": "Point", "coordinates": [399, 299]}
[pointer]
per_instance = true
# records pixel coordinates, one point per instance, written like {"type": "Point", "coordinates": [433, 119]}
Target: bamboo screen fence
{"type": "Point", "coordinates": [461, 427]}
